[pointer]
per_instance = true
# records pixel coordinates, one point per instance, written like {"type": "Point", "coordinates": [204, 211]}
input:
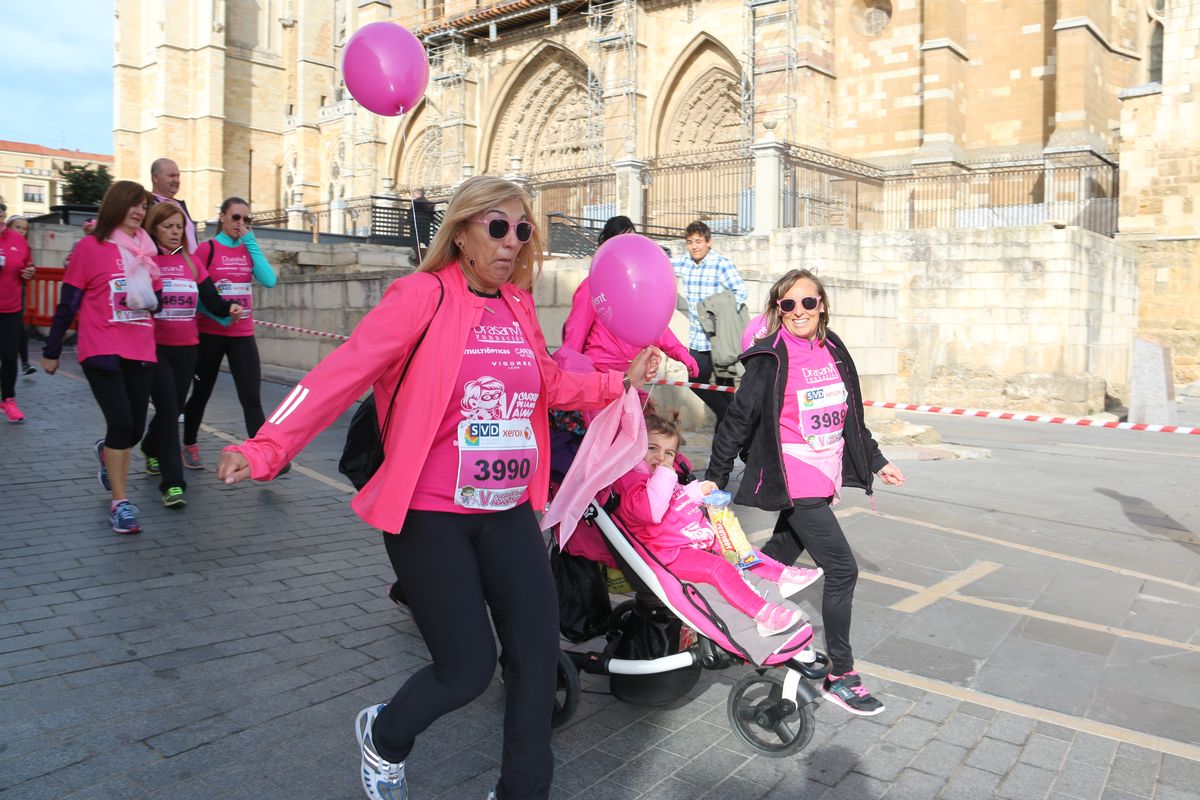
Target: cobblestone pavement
{"type": "Point", "coordinates": [224, 652]}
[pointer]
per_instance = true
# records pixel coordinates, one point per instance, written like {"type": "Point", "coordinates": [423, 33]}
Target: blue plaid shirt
{"type": "Point", "coordinates": [701, 281]}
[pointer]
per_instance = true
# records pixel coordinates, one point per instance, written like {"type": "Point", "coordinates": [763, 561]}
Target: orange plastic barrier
{"type": "Point", "coordinates": [41, 295]}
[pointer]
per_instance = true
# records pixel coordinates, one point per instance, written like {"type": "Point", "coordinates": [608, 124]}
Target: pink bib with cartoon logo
{"type": "Point", "coordinates": [484, 453]}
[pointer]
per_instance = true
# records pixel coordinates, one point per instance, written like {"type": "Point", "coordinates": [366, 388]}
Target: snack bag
{"type": "Point", "coordinates": [730, 537]}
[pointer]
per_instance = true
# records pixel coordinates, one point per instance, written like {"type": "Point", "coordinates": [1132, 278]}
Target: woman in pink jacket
{"type": "Point", "coordinates": [466, 463]}
{"type": "Point", "coordinates": [583, 333]}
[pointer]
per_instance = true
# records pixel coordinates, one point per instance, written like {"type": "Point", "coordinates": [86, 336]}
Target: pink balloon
{"type": "Point", "coordinates": [386, 68]}
{"type": "Point", "coordinates": [632, 285]}
{"type": "Point", "coordinates": [756, 328]}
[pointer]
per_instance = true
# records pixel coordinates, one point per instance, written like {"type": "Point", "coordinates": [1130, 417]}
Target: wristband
{"type": "Point", "coordinates": [625, 382]}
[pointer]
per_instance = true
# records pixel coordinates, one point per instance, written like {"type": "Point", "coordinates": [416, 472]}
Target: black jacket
{"type": "Point", "coordinates": [754, 417]}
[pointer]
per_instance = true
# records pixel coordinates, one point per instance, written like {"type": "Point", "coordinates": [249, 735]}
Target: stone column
{"type": "Point", "coordinates": [295, 212]}
{"type": "Point", "coordinates": [337, 216]}
{"type": "Point", "coordinates": [630, 193]}
{"type": "Point", "coordinates": [943, 80]}
{"type": "Point", "coordinates": [768, 184]}
{"type": "Point", "coordinates": [1079, 55]}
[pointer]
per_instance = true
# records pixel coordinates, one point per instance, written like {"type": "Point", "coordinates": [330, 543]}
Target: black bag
{"type": "Point", "coordinates": [646, 630]}
{"type": "Point", "coordinates": [362, 454]}
{"type": "Point", "coordinates": [583, 604]}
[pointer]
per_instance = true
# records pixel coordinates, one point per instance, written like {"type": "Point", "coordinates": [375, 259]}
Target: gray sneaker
{"type": "Point", "coordinates": [191, 456]}
{"type": "Point", "coordinates": [381, 780]}
{"type": "Point", "coordinates": [102, 475]}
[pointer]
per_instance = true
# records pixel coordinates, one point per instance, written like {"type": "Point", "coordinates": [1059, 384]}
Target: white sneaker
{"type": "Point", "coordinates": [795, 579]}
{"type": "Point", "coordinates": [381, 780]}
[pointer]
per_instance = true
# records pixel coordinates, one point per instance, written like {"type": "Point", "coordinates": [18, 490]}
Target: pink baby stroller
{"type": "Point", "coordinates": [770, 707]}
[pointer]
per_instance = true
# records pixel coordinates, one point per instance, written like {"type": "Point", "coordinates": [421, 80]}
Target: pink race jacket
{"type": "Point", "coordinates": [664, 516]}
{"type": "Point", "coordinates": [14, 251]}
{"type": "Point", "coordinates": [375, 355]}
{"type": "Point", "coordinates": [583, 333]}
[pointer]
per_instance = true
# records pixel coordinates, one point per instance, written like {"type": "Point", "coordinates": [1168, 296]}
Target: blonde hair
{"type": "Point", "coordinates": [476, 196]}
{"type": "Point", "coordinates": [784, 285]}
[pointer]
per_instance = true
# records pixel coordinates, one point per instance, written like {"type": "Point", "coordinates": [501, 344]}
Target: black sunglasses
{"type": "Point", "coordinates": [787, 305]}
{"type": "Point", "coordinates": [240, 218]}
{"type": "Point", "coordinates": [498, 228]}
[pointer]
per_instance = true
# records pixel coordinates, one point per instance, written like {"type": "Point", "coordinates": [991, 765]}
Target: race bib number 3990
{"type": "Point", "coordinates": [496, 461]}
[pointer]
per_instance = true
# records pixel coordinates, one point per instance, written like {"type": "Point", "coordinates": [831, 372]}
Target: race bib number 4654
{"type": "Point", "coordinates": [496, 461]}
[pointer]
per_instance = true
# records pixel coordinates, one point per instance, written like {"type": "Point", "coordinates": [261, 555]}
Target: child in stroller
{"type": "Point", "coordinates": [668, 518]}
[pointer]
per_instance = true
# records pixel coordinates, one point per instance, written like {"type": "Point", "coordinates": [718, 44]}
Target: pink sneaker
{"type": "Point", "coordinates": [11, 411]}
{"type": "Point", "coordinates": [796, 579]}
{"type": "Point", "coordinates": [773, 620]}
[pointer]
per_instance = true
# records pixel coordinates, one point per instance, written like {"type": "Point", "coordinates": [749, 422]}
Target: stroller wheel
{"type": "Point", "coordinates": [766, 720]}
{"type": "Point", "coordinates": [619, 614]}
{"type": "Point", "coordinates": [566, 691]}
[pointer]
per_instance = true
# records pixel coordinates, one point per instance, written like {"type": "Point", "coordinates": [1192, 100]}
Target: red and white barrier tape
{"type": "Point", "coordinates": [301, 330]}
{"type": "Point", "coordinates": [922, 409]}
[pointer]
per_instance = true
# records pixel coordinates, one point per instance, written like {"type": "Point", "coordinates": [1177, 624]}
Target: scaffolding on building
{"type": "Point", "coordinates": [771, 77]}
{"type": "Point", "coordinates": [447, 51]}
{"type": "Point", "coordinates": [612, 77]}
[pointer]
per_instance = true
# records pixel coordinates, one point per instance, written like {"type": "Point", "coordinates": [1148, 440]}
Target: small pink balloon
{"type": "Point", "coordinates": [386, 68]}
{"type": "Point", "coordinates": [632, 285]}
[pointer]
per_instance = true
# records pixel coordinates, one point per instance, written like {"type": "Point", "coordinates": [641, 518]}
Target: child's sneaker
{"type": "Point", "coordinates": [11, 411]}
{"type": "Point", "coordinates": [191, 456]}
{"type": "Point", "coordinates": [797, 579]}
{"type": "Point", "coordinates": [848, 692]}
{"type": "Point", "coordinates": [124, 518]}
{"type": "Point", "coordinates": [152, 466]}
{"type": "Point", "coordinates": [102, 475]}
{"type": "Point", "coordinates": [381, 780]}
{"type": "Point", "coordinates": [773, 620]}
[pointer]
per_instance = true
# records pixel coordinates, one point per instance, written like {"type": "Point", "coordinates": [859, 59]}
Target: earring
{"type": "Point", "coordinates": [471, 262]}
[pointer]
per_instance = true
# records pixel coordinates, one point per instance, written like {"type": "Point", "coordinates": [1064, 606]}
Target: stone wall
{"type": "Point", "coordinates": [1168, 296]}
{"type": "Point", "coordinates": [1023, 318]}
{"type": "Point", "coordinates": [1033, 318]}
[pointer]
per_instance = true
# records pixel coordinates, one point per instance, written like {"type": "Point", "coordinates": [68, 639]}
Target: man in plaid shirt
{"type": "Point", "coordinates": [703, 273]}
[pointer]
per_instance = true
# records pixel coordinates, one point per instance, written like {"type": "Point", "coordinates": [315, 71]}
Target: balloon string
{"type": "Point", "coordinates": [412, 205]}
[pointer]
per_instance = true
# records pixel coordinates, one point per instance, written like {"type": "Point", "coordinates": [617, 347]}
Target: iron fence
{"type": "Point", "coordinates": [396, 222]}
{"type": "Point", "coordinates": [823, 189]}
{"type": "Point", "coordinates": [716, 186]}
{"type": "Point", "coordinates": [587, 192]}
{"type": "Point", "coordinates": [576, 236]}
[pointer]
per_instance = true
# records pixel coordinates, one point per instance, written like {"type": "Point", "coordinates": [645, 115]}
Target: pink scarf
{"type": "Point", "coordinates": [137, 252]}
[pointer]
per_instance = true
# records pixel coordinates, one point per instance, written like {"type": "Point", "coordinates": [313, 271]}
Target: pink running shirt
{"type": "Point", "coordinates": [814, 413]}
{"type": "Point", "coordinates": [106, 325]}
{"type": "Point", "coordinates": [175, 323]}
{"type": "Point", "coordinates": [232, 272]}
{"type": "Point", "coordinates": [484, 453]}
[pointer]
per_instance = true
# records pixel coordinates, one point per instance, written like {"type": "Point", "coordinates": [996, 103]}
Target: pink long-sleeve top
{"type": "Point", "coordinates": [662, 514]}
{"type": "Point", "coordinates": [375, 355]}
{"type": "Point", "coordinates": [585, 334]}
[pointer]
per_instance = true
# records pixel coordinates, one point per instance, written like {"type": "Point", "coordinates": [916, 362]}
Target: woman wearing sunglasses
{"type": "Point", "coordinates": [234, 262]}
{"type": "Point", "coordinates": [799, 408]}
{"type": "Point", "coordinates": [466, 461]}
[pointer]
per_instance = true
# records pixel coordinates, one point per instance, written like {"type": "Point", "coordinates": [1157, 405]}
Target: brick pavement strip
{"type": "Point", "coordinates": [254, 624]}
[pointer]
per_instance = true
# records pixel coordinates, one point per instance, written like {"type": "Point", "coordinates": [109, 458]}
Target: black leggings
{"type": "Point", "coordinates": [454, 568]}
{"type": "Point", "coordinates": [810, 525]}
{"type": "Point", "coordinates": [172, 375]}
{"type": "Point", "coordinates": [123, 395]}
{"type": "Point", "coordinates": [719, 402]}
{"type": "Point", "coordinates": [247, 379]}
{"type": "Point", "coordinates": [10, 344]}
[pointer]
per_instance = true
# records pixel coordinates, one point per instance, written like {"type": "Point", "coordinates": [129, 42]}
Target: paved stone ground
{"type": "Point", "coordinates": [224, 652]}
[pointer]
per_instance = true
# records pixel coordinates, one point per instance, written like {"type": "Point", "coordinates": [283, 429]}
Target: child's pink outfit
{"type": "Point", "coordinates": [669, 520]}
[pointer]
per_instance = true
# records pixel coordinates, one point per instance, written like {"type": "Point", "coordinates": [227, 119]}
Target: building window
{"type": "Point", "coordinates": [34, 193]}
{"type": "Point", "coordinates": [28, 165]}
{"type": "Point", "coordinates": [1154, 42]}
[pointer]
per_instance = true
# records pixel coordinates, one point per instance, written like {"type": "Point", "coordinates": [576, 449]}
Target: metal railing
{"type": "Point", "coordinates": [392, 221]}
{"type": "Point", "coordinates": [716, 186]}
{"type": "Point", "coordinates": [586, 192]}
{"type": "Point", "coordinates": [576, 236]}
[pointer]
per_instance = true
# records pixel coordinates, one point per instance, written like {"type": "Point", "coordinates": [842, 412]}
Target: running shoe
{"type": "Point", "coordinates": [11, 411]}
{"type": "Point", "coordinates": [848, 692]}
{"type": "Point", "coordinates": [173, 497]}
{"type": "Point", "coordinates": [28, 369]}
{"type": "Point", "coordinates": [381, 780]}
{"type": "Point", "coordinates": [284, 470]}
{"type": "Point", "coordinates": [773, 620]}
{"type": "Point", "coordinates": [191, 456]}
{"type": "Point", "coordinates": [491, 794]}
{"type": "Point", "coordinates": [102, 475]}
{"type": "Point", "coordinates": [152, 466]}
{"type": "Point", "coordinates": [796, 579]}
{"type": "Point", "coordinates": [124, 518]}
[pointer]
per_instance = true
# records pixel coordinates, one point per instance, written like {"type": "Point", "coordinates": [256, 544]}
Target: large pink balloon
{"type": "Point", "coordinates": [633, 288]}
{"type": "Point", "coordinates": [386, 68]}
